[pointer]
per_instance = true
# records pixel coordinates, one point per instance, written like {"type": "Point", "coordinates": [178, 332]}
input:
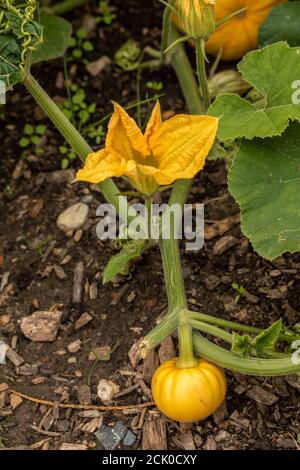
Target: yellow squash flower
{"type": "Point", "coordinates": [167, 151]}
{"type": "Point", "coordinates": [197, 17]}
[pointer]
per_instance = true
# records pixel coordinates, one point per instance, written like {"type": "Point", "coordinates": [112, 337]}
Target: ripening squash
{"type": "Point", "coordinates": [188, 394]}
{"type": "Point", "coordinates": [238, 35]}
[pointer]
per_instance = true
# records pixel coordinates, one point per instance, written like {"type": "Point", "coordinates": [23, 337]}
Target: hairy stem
{"type": "Point", "coordinates": [201, 72]}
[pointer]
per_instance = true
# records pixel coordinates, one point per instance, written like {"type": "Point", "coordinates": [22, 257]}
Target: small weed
{"type": "Point", "coordinates": [31, 139]}
{"type": "Point", "coordinates": [240, 290]}
{"type": "Point", "coordinates": [77, 110]}
{"type": "Point", "coordinates": [156, 86]}
{"type": "Point", "coordinates": [79, 45]}
{"type": "Point", "coordinates": [107, 15]}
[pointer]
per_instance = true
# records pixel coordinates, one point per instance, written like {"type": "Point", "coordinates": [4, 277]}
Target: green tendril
{"type": "Point", "coordinates": [26, 13]}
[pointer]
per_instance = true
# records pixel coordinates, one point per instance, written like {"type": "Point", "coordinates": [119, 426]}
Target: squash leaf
{"type": "Point", "coordinates": [120, 263]}
{"type": "Point", "coordinates": [267, 340]}
{"type": "Point", "coordinates": [57, 35]}
{"type": "Point", "coordinates": [281, 25]}
{"type": "Point", "coordinates": [260, 345]}
{"type": "Point", "coordinates": [265, 181]}
{"type": "Point", "coordinates": [274, 72]}
{"type": "Point", "coordinates": [10, 57]}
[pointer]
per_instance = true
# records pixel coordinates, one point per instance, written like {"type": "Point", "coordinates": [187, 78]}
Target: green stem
{"type": "Point", "coordinates": [165, 328]}
{"type": "Point", "coordinates": [201, 72]}
{"type": "Point", "coordinates": [186, 352]}
{"type": "Point", "coordinates": [237, 326]}
{"type": "Point", "coordinates": [173, 273]}
{"type": "Point", "coordinates": [72, 136]}
{"type": "Point", "coordinates": [211, 330]}
{"type": "Point", "coordinates": [166, 28]}
{"type": "Point", "coordinates": [251, 366]}
{"type": "Point", "coordinates": [185, 74]}
{"type": "Point", "coordinates": [60, 8]}
{"type": "Point", "coordinates": [148, 206]}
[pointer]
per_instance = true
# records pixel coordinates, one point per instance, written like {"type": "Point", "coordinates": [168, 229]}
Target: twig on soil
{"type": "Point", "coordinates": [82, 407]}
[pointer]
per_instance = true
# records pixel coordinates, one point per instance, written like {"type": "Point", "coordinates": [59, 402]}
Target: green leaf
{"type": "Point", "coordinates": [275, 72]}
{"type": "Point", "coordinates": [241, 345]}
{"type": "Point", "coordinates": [265, 181]}
{"type": "Point", "coordinates": [268, 339]}
{"type": "Point", "coordinates": [10, 59]}
{"type": "Point", "coordinates": [259, 346]}
{"type": "Point", "coordinates": [120, 263]}
{"type": "Point", "coordinates": [57, 34]}
{"type": "Point", "coordinates": [28, 129]}
{"type": "Point", "coordinates": [33, 28]}
{"type": "Point", "coordinates": [281, 25]}
{"type": "Point", "coordinates": [24, 142]}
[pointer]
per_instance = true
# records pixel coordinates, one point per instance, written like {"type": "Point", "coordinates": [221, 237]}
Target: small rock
{"type": "Point", "coordinates": [84, 395]}
{"type": "Point", "coordinates": [109, 437]}
{"type": "Point", "coordinates": [75, 346]}
{"type": "Point", "coordinates": [73, 218]}
{"type": "Point", "coordinates": [97, 66]}
{"type": "Point", "coordinates": [61, 176]}
{"type": "Point", "coordinates": [106, 390]}
{"type": "Point", "coordinates": [15, 401]}
{"type": "Point", "coordinates": [129, 439]}
{"type": "Point", "coordinates": [41, 326]}
{"type": "Point", "coordinates": [83, 321]}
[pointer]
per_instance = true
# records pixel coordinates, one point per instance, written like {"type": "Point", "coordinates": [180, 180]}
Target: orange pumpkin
{"type": "Point", "coordinates": [238, 35]}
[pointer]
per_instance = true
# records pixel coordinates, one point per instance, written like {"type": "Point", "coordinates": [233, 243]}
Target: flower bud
{"type": "Point", "coordinates": [228, 81]}
{"type": "Point", "coordinates": [197, 17]}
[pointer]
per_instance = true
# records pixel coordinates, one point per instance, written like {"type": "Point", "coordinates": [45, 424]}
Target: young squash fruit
{"type": "Point", "coordinates": [238, 35]}
{"type": "Point", "coordinates": [188, 394]}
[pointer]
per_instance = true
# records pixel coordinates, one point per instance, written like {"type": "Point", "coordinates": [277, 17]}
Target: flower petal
{"type": "Point", "coordinates": [154, 123]}
{"type": "Point", "coordinates": [182, 144]}
{"type": "Point", "coordinates": [101, 165]}
{"type": "Point", "coordinates": [124, 136]}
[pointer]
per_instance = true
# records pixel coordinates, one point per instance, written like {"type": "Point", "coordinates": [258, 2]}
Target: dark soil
{"type": "Point", "coordinates": [38, 260]}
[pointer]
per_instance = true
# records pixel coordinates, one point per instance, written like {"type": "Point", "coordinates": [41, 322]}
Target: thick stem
{"type": "Point", "coordinates": [165, 328]}
{"type": "Point", "coordinates": [166, 28]}
{"type": "Point", "coordinates": [60, 8]}
{"type": "Point", "coordinates": [251, 366]}
{"type": "Point", "coordinates": [172, 269]}
{"type": "Point", "coordinates": [81, 147]}
{"type": "Point", "coordinates": [185, 74]}
{"type": "Point", "coordinates": [186, 351]}
{"type": "Point", "coordinates": [201, 72]}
